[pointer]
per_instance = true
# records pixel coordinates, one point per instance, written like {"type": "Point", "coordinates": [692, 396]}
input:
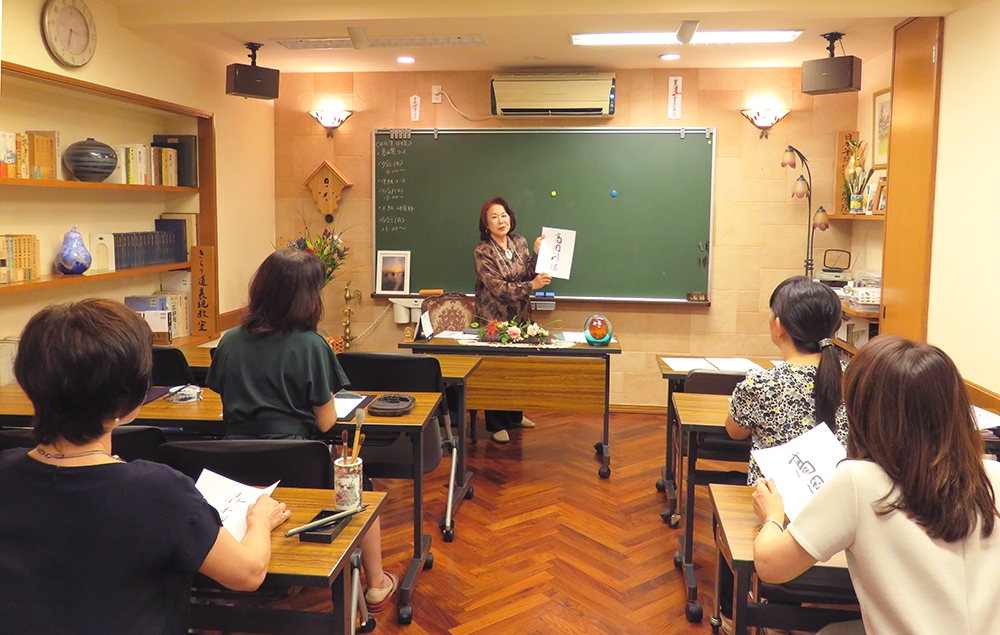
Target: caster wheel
{"type": "Point", "coordinates": [598, 447]}
{"type": "Point", "coordinates": [449, 535]}
{"type": "Point", "coordinates": [429, 562]}
{"type": "Point", "coordinates": [678, 559]}
{"type": "Point", "coordinates": [405, 615]}
{"type": "Point", "coordinates": [716, 624]}
{"type": "Point", "coordinates": [469, 493]}
{"type": "Point", "coordinates": [665, 515]}
{"type": "Point", "coordinates": [693, 612]}
{"type": "Point", "coordinates": [674, 521]}
{"type": "Point", "coordinates": [441, 524]}
{"type": "Point", "coordinates": [604, 471]}
{"type": "Point", "coordinates": [661, 485]}
{"type": "Point", "coordinates": [368, 626]}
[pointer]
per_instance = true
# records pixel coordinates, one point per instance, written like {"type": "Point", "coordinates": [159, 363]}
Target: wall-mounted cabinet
{"type": "Point", "coordinates": [38, 100]}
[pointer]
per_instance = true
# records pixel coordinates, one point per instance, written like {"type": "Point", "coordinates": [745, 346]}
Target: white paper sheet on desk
{"type": "Point", "coordinates": [577, 337]}
{"type": "Point", "coordinates": [555, 254]}
{"type": "Point", "coordinates": [986, 419]}
{"type": "Point", "coordinates": [801, 466]}
{"type": "Point", "coordinates": [231, 499]}
{"type": "Point", "coordinates": [345, 405]}
{"type": "Point", "coordinates": [687, 364]}
{"type": "Point", "coordinates": [457, 335]}
{"type": "Point", "coordinates": [734, 363]}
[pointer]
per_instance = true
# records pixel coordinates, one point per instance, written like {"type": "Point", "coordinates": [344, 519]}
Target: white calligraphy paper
{"type": "Point", "coordinates": [555, 254]}
{"type": "Point", "coordinates": [734, 363]}
{"type": "Point", "coordinates": [687, 364]}
{"type": "Point", "coordinates": [986, 419]}
{"type": "Point", "coordinates": [345, 405]}
{"type": "Point", "coordinates": [801, 466]}
{"type": "Point", "coordinates": [231, 499]}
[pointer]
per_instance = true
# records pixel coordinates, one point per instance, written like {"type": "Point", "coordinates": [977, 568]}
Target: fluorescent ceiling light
{"type": "Point", "coordinates": [669, 57]}
{"type": "Point", "coordinates": [405, 59]}
{"type": "Point", "coordinates": [700, 37]}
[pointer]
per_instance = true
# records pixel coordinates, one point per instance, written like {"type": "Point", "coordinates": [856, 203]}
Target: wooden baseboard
{"type": "Point", "coordinates": [231, 319]}
{"type": "Point", "coordinates": [638, 409]}
{"type": "Point", "coordinates": [985, 399]}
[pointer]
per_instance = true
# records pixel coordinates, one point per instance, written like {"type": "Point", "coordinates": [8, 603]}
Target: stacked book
{"type": "Point", "coordinates": [168, 305]}
{"type": "Point", "coordinates": [34, 154]}
{"type": "Point", "coordinates": [142, 249]}
{"type": "Point", "coordinates": [18, 258]}
{"type": "Point", "coordinates": [8, 350]}
{"type": "Point", "coordinates": [170, 160]}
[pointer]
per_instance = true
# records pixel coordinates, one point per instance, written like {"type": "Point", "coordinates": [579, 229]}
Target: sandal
{"type": "Point", "coordinates": [379, 606]}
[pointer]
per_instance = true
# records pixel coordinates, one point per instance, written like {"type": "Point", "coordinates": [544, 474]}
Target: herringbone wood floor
{"type": "Point", "coordinates": [545, 546]}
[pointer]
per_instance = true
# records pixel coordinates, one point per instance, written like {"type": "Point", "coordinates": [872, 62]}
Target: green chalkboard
{"type": "Point", "coordinates": [646, 243]}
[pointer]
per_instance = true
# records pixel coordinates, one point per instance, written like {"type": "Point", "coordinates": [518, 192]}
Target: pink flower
{"type": "Point", "coordinates": [532, 330]}
{"type": "Point", "coordinates": [514, 332]}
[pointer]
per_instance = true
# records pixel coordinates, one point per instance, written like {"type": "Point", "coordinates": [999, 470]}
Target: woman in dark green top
{"type": "Point", "coordinates": [277, 375]}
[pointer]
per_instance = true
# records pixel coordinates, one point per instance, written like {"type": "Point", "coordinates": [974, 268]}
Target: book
{"type": "Point", "coordinates": [140, 303]}
{"type": "Point", "coordinates": [160, 323]}
{"type": "Point", "coordinates": [53, 156]}
{"type": "Point", "coordinates": [8, 155]}
{"type": "Point", "coordinates": [180, 318]}
{"type": "Point", "coordinates": [41, 156]}
{"type": "Point", "coordinates": [178, 228]}
{"type": "Point", "coordinates": [21, 144]}
{"type": "Point", "coordinates": [187, 156]}
{"type": "Point", "coordinates": [190, 226]}
{"type": "Point", "coordinates": [8, 350]}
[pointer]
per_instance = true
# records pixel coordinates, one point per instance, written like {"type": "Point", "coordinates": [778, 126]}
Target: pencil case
{"type": "Point", "coordinates": [325, 534]}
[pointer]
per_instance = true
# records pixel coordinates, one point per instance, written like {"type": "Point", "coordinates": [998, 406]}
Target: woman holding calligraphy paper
{"type": "Point", "coordinates": [779, 404]}
{"type": "Point", "coordinates": [505, 282]}
{"type": "Point", "coordinates": [914, 504]}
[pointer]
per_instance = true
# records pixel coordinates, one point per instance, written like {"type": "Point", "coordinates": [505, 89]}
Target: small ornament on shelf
{"type": "Point", "coordinates": [598, 331]}
{"type": "Point", "coordinates": [73, 257]}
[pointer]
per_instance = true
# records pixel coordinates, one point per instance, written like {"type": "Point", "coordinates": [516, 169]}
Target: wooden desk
{"type": "Point", "coordinates": [197, 356]}
{"type": "Point", "coordinates": [695, 413]}
{"type": "Point", "coordinates": [670, 475]}
{"type": "Point", "coordinates": [456, 370]}
{"type": "Point", "coordinates": [736, 528]}
{"type": "Point", "coordinates": [503, 379]}
{"type": "Point", "coordinates": [296, 563]}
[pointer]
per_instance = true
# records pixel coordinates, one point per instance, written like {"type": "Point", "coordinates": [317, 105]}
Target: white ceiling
{"type": "Point", "coordinates": [521, 34]}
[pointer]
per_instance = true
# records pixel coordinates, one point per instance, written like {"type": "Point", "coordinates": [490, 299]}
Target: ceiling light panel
{"type": "Point", "coordinates": [700, 37]}
{"type": "Point", "coordinates": [299, 44]}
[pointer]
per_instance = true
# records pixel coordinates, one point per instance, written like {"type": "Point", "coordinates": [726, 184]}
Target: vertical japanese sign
{"type": "Point", "coordinates": [204, 289]}
{"type": "Point", "coordinates": [674, 101]}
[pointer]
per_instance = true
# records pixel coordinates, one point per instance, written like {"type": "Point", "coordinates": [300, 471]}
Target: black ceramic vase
{"type": "Point", "coordinates": [90, 160]}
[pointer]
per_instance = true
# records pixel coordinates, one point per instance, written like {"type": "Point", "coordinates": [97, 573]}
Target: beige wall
{"type": "Point", "coordinates": [759, 230]}
{"type": "Point", "coordinates": [964, 303]}
{"type": "Point", "coordinates": [179, 71]}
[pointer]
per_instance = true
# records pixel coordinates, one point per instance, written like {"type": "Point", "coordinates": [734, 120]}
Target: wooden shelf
{"type": "Point", "coordinates": [81, 185]}
{"type": "Point", "coordinates": [60, 280]}
{"type": "Point", "coordinates": [871, 316]}
{"type": "Point", "coordinates": [844, 345]}
{"type": "Point", "coordinates": [860, 217]}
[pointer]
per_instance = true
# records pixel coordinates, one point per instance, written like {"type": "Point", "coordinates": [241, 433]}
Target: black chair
{"type": "Point", "coordinates": [259, 462]}
{"type": "Point", "coordinates": [128, 442]}
{"type": "Point", "coordinates": [392, 457]}
{"type": "Point", "coordinates": [170, 367]}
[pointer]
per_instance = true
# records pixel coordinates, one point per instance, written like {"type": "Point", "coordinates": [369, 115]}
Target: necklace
{"type": "Point", "coordinates": [74, 456]}
{"type": "Point", "coordinates": [506, 252]}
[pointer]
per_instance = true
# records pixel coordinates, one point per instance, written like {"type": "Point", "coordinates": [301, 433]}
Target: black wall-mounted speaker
{"type": "Point", "coordinates": [252, 81]}
{"type": "Point", "coordinates": [831, 75]}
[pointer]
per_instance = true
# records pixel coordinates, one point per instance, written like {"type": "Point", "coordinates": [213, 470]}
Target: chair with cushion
{"type": "Point", "coordinates": [453, 312]}
{"type": "Point", "coordinates": [259, 462]}
{"type": "Point", "coordinates": [392, 457]}
{"type": "Point", "coordinates": [128, 442]}
{"type": "Point", "coordinates": [170, 367]}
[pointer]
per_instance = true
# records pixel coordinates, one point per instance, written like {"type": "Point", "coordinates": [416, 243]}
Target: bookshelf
{"type": "Point", "coordinates": [39, 99]}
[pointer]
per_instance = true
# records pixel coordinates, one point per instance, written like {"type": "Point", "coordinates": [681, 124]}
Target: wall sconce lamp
{"type": "Point", "coordinates": [763, 118]}
{"type": "Point", "coordinates": [330, 119]}
{"type": "Point", "coordinates": [803, 189]}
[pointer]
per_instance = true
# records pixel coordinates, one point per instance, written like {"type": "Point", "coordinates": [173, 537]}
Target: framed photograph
{"type": "Point", "coordinates": [392, 274]}
{"type": "Point", "coordinates": [881, 194]}
{"type": "Point", "coordinates": [881, 118]}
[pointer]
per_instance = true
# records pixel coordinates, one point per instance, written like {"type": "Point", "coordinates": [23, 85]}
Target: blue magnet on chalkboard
{"type": "Point", "coordinates": [550, 294]}
{"type": "Point", "coordinates": [614, 193]}
{"type": "Point", "coordinates": [539, 294]}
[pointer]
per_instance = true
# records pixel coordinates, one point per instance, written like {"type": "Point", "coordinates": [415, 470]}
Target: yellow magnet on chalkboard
{"type": "Point", "coordinates": [552, 193]}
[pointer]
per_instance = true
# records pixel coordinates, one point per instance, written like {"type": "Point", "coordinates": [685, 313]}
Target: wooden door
{"type": "Point", "coordinates": [916, 83]}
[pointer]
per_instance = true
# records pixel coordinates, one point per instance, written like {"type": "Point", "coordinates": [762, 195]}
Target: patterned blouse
{"type": "Point", "coordinates": [777, 405]}
{"type": "Point", "coordinates": [503, 287]}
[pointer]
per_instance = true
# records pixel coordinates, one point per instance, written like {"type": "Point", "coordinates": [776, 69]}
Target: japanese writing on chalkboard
{"type": "Point", "coordinates": [390, 185]}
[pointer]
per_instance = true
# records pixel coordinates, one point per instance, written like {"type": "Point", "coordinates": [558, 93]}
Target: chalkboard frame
{"type": "Point", "coordinates": [706, 132]}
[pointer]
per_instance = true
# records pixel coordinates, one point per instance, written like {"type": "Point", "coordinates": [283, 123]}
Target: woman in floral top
{"type": "Point", "coordinates": [505, 282]}
{"type": "Point", "coordinates": [779, 404]}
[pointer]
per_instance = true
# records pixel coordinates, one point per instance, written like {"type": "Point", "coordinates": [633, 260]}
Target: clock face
{"type": "Point", "coordinates": [70, 31]}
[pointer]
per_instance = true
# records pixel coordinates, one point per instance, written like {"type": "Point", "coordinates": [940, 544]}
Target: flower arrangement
{"type": "Point", "coordinates": [512, 331]}
{"type": "Point", "coordinates": [328, 247]}
{"type": "Point", "coordinates": [855, 175]}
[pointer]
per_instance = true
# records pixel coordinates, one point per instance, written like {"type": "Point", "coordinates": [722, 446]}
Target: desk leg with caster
{"type": "Point", "coordinates": [457, 492]}
{"type": "Point", "coordinates": [358, 605]}
{"type": "Point", "coordinates": [603, 447]}
{"type": "Point", "coordinates": [669, 481]}
{"type": "Point", "coordinates": [684, 557]}
{"type": "Point", "coordinates": [422, 556]}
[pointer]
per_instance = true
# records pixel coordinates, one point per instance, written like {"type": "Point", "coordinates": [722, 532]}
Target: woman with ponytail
{"type": "Point", "coordinates": [779, 404]}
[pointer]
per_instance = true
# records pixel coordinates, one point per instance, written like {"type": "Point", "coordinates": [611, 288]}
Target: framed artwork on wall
{"type": "Point", "coordinates": [393, 272]}
{"type": "Point", "coordinates": [881, 118]}
{"type": "Point", "coordinates": [881, 195]}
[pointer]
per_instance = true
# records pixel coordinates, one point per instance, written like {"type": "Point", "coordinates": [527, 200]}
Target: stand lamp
{"type": "Point", "coordinates": [803, 189]}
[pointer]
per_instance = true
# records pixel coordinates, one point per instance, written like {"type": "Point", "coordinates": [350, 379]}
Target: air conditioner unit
{"type": "Point", "coordinates": [563, 95]}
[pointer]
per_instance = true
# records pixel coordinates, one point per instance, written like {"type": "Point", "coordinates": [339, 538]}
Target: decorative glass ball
{"type": "Point", "coordinates": [598, 330]}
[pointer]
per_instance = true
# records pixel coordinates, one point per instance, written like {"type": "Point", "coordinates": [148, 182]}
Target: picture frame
{"type": "Point", "coordinates": [881, 196]}
{"type": "Point", "coordinates": [392, 273]}
{"type": "Point", "coordinates": [881, 121]}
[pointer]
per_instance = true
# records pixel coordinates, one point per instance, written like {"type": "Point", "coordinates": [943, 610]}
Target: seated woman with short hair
{"type": "Point", "coordinates": [89, 543]}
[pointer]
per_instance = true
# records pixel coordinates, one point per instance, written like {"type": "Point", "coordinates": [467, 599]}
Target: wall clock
{"type": "Point", "coordinates": [70, 31]}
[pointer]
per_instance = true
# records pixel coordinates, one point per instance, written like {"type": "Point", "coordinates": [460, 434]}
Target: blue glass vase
{"type": "Point", "coordinates": [73, 257]}
{"type": "Point", "coordinates": [598, 330]}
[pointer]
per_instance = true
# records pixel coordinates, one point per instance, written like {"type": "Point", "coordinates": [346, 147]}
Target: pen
{"type": "Point", "coordinates": [325, 521]}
